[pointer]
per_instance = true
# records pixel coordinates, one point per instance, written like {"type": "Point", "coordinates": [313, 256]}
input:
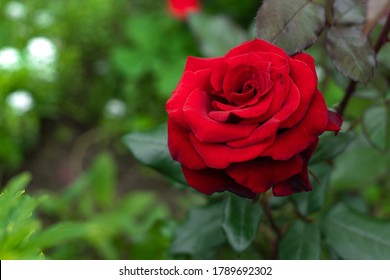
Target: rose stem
{"type": "Point", "coordinates": [382, 39]}
{"type": "Point", "coordinates": [274, 226]}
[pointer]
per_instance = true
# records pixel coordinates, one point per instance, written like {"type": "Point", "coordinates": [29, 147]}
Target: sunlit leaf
{"type": "Point", "coordinates": [61, 232]}
{"type": "Point", "coordinates": [351, 53]}
{"type": "Point", "coordinates": [202, 231]}
{"type": "Point", "coordinates": [216, 34]}
{"type": "Point", "coordinates": [302, 241]}
{"type": "Point", "coordinates": [376, 126]}
{"type": "Point", "coordinates": [241, 221]}
{"type": "Point", "coordinates": [356, 236]}
{"type": "Point", "coordinates": [291, 25]}
{"type": "Point", "coordinates": [151, 149]}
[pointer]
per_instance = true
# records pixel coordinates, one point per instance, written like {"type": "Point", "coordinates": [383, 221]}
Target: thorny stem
{"type": "Point", "coordinates": [382, 39]}
{"type": "Point", "coordinates": [274, 226]}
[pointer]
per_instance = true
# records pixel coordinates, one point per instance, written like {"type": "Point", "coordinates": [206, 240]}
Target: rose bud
{"type": "Point", "coordinates": [181, 8]}
{"type": "Point", "coordinates": [249, 121]}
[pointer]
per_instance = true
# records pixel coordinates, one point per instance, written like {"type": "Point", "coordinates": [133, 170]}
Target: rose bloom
{"type": "Point", "coordinates": [248, 121]}
{"type": "Point", "coordinates": [181, 8]}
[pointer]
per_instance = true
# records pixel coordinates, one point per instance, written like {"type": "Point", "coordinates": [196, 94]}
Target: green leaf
{"type": "Point", "coordinates": [360, 165]}
{"type": "Point", "coordinates": [302, 241]}
{"type": "Point", "coordinates": [309, 202]}
{"type": "Point", "coordinates": [331, 146]}
{"type": "Point", "coordinates": [103, 179]}
{"type": "Point", "coordinates": [291, 25]}
{"type": "Point", "coordinates": [127, 61]}
{"type": "Point", "coordinates": [201, 232]}
{"type": "Point", "coordinates": [351, 52]}
{"type": "Point", "coordinates": [356, 236]}
{"type": "Point", "coordinates": [241, 221]}
{"type": "Point", "coordinates": [59, 233]}
{"type": "Point", "coordinates": [348, 12]}
{"type": "Point", "coordinates": [151, 149]}
{"type": "Point", "coordinates": [376, 126]}
{"type": "Point", "coordinates": [216, 34]}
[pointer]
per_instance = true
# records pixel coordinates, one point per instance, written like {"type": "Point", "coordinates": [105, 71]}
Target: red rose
{"type": "Point", "coordinates": [181, 8]}
{"type": "Point", "coordinates": [248, 121]}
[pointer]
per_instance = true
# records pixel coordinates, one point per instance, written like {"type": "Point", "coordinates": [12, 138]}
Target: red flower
{"type": "Point", "coordinates": [248, 121]}
{"type": "Point", "coordinates": [181, 8]}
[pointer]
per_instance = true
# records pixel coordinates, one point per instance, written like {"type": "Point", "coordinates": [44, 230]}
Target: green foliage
{"type": "Point", "coordinates": [355, 236]}
{"type": "Point", "coordinates": [376, 126]}
{"type": "Point", "coordinates": [331, 146]}
{"type": "Point", "coordinates": [348, 12]}
{"type": "Point", "coordinates": [293, 26]}
{"type": "Point", "coordinates": [109, 225]}
{"type": "Point", "coordinates": [351, 53]}
{"type": "Point", "coordinates": [200, 233]}
{"type": "Point", "coordinates": [17, 222]}
{"type": "Point", "coordinates": [151, 149]}
{"type": "Point", "coordinates": [360, 155]}
{"type": "Point", "coordinates": [308, 203]}
{"type": "Point", "coordinates": [302, 241]}
{"type": "Point", "coordinates": [241, 221]}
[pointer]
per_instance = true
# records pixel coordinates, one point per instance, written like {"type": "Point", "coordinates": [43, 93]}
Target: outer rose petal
{"type": "Point", "coordinates": [300, 137]}
{"type": "Point", "coordinates": [180, 147]}
{"type": "Point", "coordinates": [334, 121]}
{"type": "Point", "coordinates": [261, 174]}
{"type": "Point", "coordinates": [189, 82]}
{"type": "Point", "coordinates": [299, 182]}
{"type": "Point", "coordinates": [255, 46]}
{"type": "Point", "coordinates": [209, 181]}
{"type": "Point", "coordinates": [220, 156]}
{"type": "Point", "coordinates": [194, 64]}
{"type": "Point", "coordinates": [308, 60]}
{"type": "Point", "coordinates": [306, 82]}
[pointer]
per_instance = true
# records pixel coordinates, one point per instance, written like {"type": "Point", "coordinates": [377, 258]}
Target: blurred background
{"type": "Point", "coordinates": [77, 76]}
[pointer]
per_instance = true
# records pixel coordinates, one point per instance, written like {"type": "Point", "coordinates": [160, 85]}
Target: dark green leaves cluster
{"type": "Point", "coordinates": [296, 25]}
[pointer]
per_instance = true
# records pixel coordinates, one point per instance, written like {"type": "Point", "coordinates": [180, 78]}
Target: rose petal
{"type": "Point", "coordinates": [308, 60]}
{"type": "Point", "coordinates": [219, 155]}
{"type": "Point", "coordinates": [270, 127]}
{"type": "Point", "coordinates": [261, 174]}
{"type": "Point", "coordinates": [186, 85]}
{"type": "Point", "coordinates": [180, 147]}
{"type": "Point", "coordinates": [195, 64]}
{"type": "Point", "coordinates": [209, 181]}
{"type": "Point", "coordinates": [195, 113]}
{"type": "Point", "coordinates": [334, 121]}
{"type": "Point", "coordinates": [255, 45]}
{"type": "Point", "coordinates": [300, 137]}
{"type": "Point", "coordinates": [220, 70]}
{"type": "Point", "coordinates": [299, 182]}
{"type": "Point", "coordinates": [306, 83]}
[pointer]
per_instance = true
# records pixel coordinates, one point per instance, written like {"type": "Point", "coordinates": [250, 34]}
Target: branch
{"type": "Point", "coordinates": [274, 226]}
